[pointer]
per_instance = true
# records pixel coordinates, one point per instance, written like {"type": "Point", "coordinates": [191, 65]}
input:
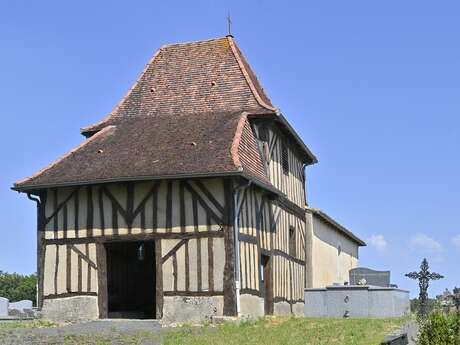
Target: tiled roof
{"type": "Point", "coordinates": [198, 77]}
{"type": "Point", "coordinates": [171, 146]}
{"type": "Point", "coordinates": [187, 115]}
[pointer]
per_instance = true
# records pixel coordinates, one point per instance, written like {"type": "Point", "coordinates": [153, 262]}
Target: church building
{"type": "Point", "coordinates": [187, 201]}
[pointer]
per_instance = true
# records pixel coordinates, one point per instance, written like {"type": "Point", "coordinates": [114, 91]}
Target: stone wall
{"type": "Point", "coordinates": [187, 309]}
{"type": "Point", "coordinates": [356, 301]}
{"type": "Point", "coordinates": [71, 309]}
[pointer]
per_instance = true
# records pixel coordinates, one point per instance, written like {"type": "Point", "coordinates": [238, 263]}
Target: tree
{"type": "Point", "coordinates": [17, 287]}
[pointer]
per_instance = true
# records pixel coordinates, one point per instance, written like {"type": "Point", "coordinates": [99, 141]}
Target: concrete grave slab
{"type": "Point", "coordinates": [4, 302]}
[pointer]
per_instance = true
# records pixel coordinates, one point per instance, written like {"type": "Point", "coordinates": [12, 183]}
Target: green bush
{"type": "Point", "coordinates": [440, 329]}
{"type": "Point", "coordinates": [17, 287]}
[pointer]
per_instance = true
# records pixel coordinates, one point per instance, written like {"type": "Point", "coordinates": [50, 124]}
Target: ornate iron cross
{"type": "Point", "coordinates": [424, 277]}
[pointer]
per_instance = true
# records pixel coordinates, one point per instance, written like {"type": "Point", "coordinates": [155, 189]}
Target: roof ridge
{"type": "Point", "coordinates": [192, 42]}
{"type": "Point", "coordinates": [82, 144]}
{"type": "Point", "coordinates": [246, 75]}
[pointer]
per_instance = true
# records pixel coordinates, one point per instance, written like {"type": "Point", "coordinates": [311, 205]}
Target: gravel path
{"type": "Point", "coordinates": [95, 332]}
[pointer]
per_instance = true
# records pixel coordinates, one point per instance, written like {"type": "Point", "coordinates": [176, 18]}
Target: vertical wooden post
{"type": "Point", "coordinates": [41, 203]}
{"type": "Point", "coordinates": [229, 244]}
{"type": "Point", "coordinates": [158, 280]}
{"type": "Point", "coordinates": [102, 294]}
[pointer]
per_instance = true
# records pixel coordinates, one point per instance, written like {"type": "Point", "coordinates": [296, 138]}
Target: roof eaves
{"type": "Point", "coordinates": [28, 188]}
{"type": "Point", "coordinates": [336, 225]}
{"type": "Point", "coordinates": [279, 117]}
{"type": "Point", "coordinates": [24, 181]}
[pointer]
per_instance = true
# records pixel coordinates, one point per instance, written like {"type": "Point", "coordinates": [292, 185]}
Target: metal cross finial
{"type": "Point", "coordinates": [424, 277]}
{"type": "Point", "coordinates": [229, 20]}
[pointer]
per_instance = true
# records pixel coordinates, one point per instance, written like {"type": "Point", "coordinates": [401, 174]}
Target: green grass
{"type": "Point", "coordinates": [292, 331]}
{"type": "Point", "coordinates": [26, 324]}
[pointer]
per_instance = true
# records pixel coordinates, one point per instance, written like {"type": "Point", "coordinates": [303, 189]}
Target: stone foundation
{"type": "Point", "coordinates": [251, 306]}
{"type": "Point", "coordinates": [186, 309]}
{"type": "Point", "coordinates": [298, 309]}
{"type": "Point", "coordinates": [282, 308]}
{"type": "Point", "coordinates": [71, 309]}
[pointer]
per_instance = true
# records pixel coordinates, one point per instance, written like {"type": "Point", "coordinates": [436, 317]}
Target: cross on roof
{"type": "Point", "coordinates": [424, 277]}
{"type": "Point", "coordinates": [229, 21]}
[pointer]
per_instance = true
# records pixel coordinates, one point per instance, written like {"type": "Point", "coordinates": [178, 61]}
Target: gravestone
{"type": "Point", "coordinates": [21, 306]}
{"type": "Point", "coordinates": [366, 276]}
{"type": "Point", "coordinates": [3, 306]}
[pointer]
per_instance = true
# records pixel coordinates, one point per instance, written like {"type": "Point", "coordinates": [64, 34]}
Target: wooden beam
{"type": "Point", "coordinates": [193, 293]}
{"type": "Point", "coordinates": [229, 244]}
{"type": "Point", "coordinates": [174, 250]}
{"type": "Point", "coordinates": [138, 237]}
{"type": "Point", "coordinates": [102, 301]}
{"type": "Point", "coordinates": [158, 280]}
{"type": "Point", "coordinates": [83, 256]}
{"type": "Point", "coordinates": [70, 294]}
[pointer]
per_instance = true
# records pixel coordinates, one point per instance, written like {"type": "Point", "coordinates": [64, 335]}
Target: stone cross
{"type": "Point", "coordinates": [424, 277]}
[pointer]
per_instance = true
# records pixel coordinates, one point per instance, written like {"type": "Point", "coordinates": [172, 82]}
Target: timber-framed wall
{"type": "Point", "coordinates": [188, 220]}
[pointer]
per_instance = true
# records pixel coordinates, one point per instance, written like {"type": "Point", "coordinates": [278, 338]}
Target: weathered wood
{"type": "Point", "coordinates": [56, 270]}
{"type": "Point", "coordinates": [174, 250]}
{"type": "Point", "coordinates": [209, 195]}
{"type": "Point", "coordinates": [158, 280]}
{"type": "Point", "coordinates": [88, 277]}
{"type": "Point", "coordinates": [138, 237]}
{"type": "Point", "coordinates": [83, 256]}
{"type": "Point", "coordinates": [129, 205]}
{"type": "Point", "coordinates": [141, 205]}
{"type": "Point", "coordinates": [210, 256]}
{"type": "Point", "coordinates": [229, 244]}
{"type": "Point", "coordinates": [70, 294]}
{"type": "Point", "coordinates": [290, 207]}
{"type": "Point", "coordinates": [41, 203]}
{"type": "Point", "coordinates": [169, 207]}
{"type": "Point", "coordinates": [64, 220]}
{"type": "Point", "coordinates": [101, 210]}
{"type": "Point", "coordinates": [55, 211]}
{"type": "Point", "coordinates": [57, 207]}
{"type": "Point", "coordinates": [90, 212]}
{"type": "Point", "coordinates": [68, 269]}
{"type": "Point", "coordinates": [198, 244]}
{"type": "Point", "coordinates": [102, 301]}
{"type": "Point", "coordinates": [193, 293]}
{"type": "Point", "coordinates": [174, 262]}
{"type": "Point", "coordinates": [203, 204]}
{"type": "Point", "coordinates": [77, 209]}
{"type": "Point", "coordinates": [80, 275]}
{"type": "Point", "coordinates": [187, 268]}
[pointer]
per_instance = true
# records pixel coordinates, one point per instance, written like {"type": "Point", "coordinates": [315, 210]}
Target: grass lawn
{"type": "Point", "coordinates": [267, 331]}
{"type": "Point", "coordinates": [292, 331]}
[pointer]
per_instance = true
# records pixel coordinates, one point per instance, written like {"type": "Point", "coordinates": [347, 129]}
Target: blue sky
{"type": "Point", "coordinates": [371, 86]}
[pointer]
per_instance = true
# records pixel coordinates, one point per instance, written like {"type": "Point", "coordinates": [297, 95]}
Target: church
{"type": "Point", "coordinates": [186, 202]}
